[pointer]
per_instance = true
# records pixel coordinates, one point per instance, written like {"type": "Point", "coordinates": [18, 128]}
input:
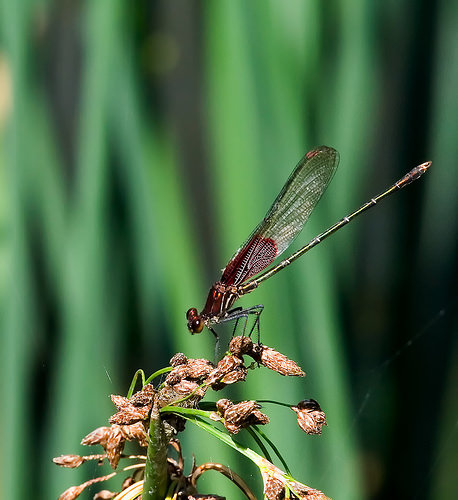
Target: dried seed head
{"type": "Point", "coordinates": [177, 374]}
{"type": "Point", "coordinates": [128, 412]}
{"type": "Point", "coordinates": [199, 369]}
{"type": "Point", "coordinates": [144, 397]}
{"type": "Point", "coordinates": [115, 445]}
{"type": "Point", "coordinates": [239, 346]}
{"type": "Point", "coordinates": [228, 371]}
{"type": "Point", "coordinates": [104, 495]}
{"type": "Point", "coordinates": [120, 401]}
{"type": "Point", "coordinates": [310, 417]}
{"type": "Point", "coordinates": [135, 432]}
{"type": "Point", "coordinates": [306, 492]}
{"type": "Point", "coordinates": [167, 395]}
{"type": "Point", "coordinates": [237, 375]}
{"type": "Point", "coordinates": [178, 359]}
{"type": "Point", "coordinates": [75, 491]}
{"type": "Point", "coordinates": [216, 417]}
{"type": "Point", "coordinates": [70, 461]}
{"type": "Point", "coordinates": [276, 361]}
{"type": "Point", "coordinates": [274, 489]}
{"type": "Point", "coordinates": [222, 405]}
{"type": "Point", "coordinates": [128, 416]}
{"type": "Point", "coordinates": [273, 477]}
{"type": "Point", "coordinates": [185, 387]}
{"type": "Point", "coordinates": [72, 492]}
{"type": "Point", "coordinates": [240, 415]}
{"type": "Point", "coordinates": [97, 436]}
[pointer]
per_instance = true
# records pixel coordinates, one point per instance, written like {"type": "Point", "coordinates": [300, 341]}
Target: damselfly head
{"type": "Point", "coordinates": [195, 323]}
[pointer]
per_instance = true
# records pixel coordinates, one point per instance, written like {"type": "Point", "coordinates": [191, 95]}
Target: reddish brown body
{"type": "Point", "coordinates": [220, 299]}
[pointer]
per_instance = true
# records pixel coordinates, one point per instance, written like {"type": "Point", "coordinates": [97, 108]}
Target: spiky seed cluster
{"type": "Point", "coordinates": [277, 483]}
{"type": "Point", "coordinates": [135, 409]}
{"type": "Point", "coordinates": [185, 381]}
{"type": "Point", "coordinates": [185, 385]}
{"type": "Point", "coordinates": [310, 416]}
{"type": "Point", "coordinates": [240, 415]}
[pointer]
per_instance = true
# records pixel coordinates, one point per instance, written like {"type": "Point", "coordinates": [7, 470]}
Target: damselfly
{"type": "Point", "coordinates": [283, 222]}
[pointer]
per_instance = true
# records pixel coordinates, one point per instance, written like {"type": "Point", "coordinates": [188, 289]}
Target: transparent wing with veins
{"type": "Point", "coordinates": [286, 217]}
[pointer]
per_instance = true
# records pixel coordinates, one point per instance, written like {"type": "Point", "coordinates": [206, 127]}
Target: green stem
{"type": "Point", "coordinates": [282, 460]}
{"type": "Point", "coordinates": [156, 478]}
{"type": "Point", "coordinates": [159, 372]}
{"type": "Point", "coordinates": [138, 373]}
{"type": "Point", "coordinates": [260, 443]}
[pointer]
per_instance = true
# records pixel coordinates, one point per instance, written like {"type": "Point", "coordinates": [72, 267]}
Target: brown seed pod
{"type": "Point", "coordinates": [115, 445]}
{"type": "Point", "coordinates": [241, 345]}
{"type": "Point", "coordinates": [97, 436]}
{"type": "Point", "coordinates": [178, 359]}
{"type": "Point", "coordinates": [199, 369]}
{"type": "Point", "coordinates": [223, 373]}
{"type": "Point", "coordinates": [240, 415]}
{"type": "Point", "coordinates": [276, 361]}
{"type": "Point", "coordinates": [144, 397]}
{"type": "Point", "coordinates": [135, 432]}
{"type": "Point", "coordinates": [310, 417]}
{"type": "Point", "coordinates": [177, 374]}
{"type": "Point", "coordinates": [274, 489]}
{"type": "Point", "coordinates": [120, 401]}
{"type": "Point", "coordinates": [69, 461]}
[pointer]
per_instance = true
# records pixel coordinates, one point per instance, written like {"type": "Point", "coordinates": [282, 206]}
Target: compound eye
{"type": "Point", "coordinates": [197, 325]}
{"type": "Point", "coordinates": [191, 314]}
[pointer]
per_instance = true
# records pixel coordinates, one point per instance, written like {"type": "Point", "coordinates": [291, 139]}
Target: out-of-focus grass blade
{"type": "Point", "coordinates": [437, 256]}
{"type": "Point", "coordinates": [85, 354]}
{"type": "Point", "coordinates": [167, 258]}
{"type": "Point", "coordinates": [18, 316]}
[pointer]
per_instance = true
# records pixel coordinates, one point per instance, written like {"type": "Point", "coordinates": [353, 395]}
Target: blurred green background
{"type": "Point", "coordinates": [141, 142]}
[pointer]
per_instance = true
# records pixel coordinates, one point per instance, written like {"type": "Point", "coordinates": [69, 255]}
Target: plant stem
{"type": "Point", "coordinates": [156, 478]}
